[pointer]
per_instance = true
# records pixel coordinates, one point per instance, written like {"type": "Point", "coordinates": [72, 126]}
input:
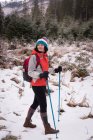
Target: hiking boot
{"type": "Point", "coordinates": [49, 130]}
{"type": "Point", "coordinates": [29, 124]}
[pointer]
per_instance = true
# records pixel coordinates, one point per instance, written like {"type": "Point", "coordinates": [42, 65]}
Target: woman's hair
{"type": "Point", "coordinates": [45, 49]}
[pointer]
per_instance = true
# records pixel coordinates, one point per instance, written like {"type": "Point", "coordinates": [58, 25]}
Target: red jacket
{"type": "Point", "coordinates": [44, 65]}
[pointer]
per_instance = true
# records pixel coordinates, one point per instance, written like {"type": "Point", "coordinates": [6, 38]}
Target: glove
{"type": "Point", "coordinates": [44, 74]}
{"type": "Point", "coordinates": [59, 69]}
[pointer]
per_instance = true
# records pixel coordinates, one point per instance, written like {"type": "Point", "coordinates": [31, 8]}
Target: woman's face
{"type": "Point", "coordinates": [41, 47]}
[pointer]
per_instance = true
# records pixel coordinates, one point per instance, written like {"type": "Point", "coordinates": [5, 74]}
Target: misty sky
{"type": "Point", "coordinates": [9, 0]}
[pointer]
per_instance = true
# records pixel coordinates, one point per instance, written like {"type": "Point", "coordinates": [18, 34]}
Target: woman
{"type": "Point", "coordinates": [39, 74]}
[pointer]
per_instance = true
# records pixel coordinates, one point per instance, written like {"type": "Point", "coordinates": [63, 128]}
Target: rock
{"type": "Point", "coordinates": [10, 137]}
{"type": "Point", "coordinates": [1, 118]}
{"type": "Point", "coordinates": [3, 81]}
{"type": "Point", "coordinates": [2, 127]}
{"type": "Point", "coordinates": [15, 80]}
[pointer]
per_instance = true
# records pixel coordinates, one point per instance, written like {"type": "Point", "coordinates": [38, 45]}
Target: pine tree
{"type": "Point", "coordinates": [51, 10]}
{"type": "Point", "coordinates": [84, 10]}
{"type": "Point", "coordinates": [51, 23]}
{"type": "Point", "coordinates": [89, 9]}
{"type": "Point", "coordinates": [1, 20]}
{"type": "Point", "coordinates": [78, 10]}
{"type": "Point", "coordinates": [59, 10]}
{"type": "Point", "coordinates": [74, 8]}
{"type": "Point", "coordinates": [37, 20]}
{"type": "Point", "coordinates": [67, 8]}
{"type": "Point", "coordinates": [42, 6]}
{"type": "Point", "coordinates": [25, 9]}
{"type": "Point", "coordinates": [36, 13]}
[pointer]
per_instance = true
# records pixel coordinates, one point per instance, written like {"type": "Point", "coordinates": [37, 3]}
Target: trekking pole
{"type": "Point", "coordinates": [51, 106]}
{"type": "Point", "coordinates": [59, 99]}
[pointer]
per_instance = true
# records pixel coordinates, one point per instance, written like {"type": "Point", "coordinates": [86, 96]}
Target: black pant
{"type": "Point", "coordinates": [39, 98]}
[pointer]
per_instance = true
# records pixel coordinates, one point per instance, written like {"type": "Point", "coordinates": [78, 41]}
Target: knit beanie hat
{"type": "Point", "coordinates": [42, 41]}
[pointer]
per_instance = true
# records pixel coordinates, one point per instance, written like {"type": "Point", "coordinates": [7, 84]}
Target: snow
{"type": "Point", "coordinates": [14, 108]}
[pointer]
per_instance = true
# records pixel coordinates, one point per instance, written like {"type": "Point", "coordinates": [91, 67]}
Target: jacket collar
{"type": "Point", "coordinates": [34, 52]}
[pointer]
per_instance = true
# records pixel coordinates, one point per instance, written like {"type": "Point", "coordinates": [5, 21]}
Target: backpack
{"type": "Point", "coordinates": [26, 77]}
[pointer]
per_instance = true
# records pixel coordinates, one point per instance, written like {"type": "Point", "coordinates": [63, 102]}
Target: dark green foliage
{"type": "Point", "coordinates": [86, 29]}
{"type": "Point", "coordinates": [38, 30]}
{"type": "Point", "coordinates": [18, 27]}
{"type": "Point", "coordinates": [51, 28]}
{"type": "Point", "coordinates": [68, 19]}
{"type": "Point", "coordinates": [21, 27]}
{"type": "Point", "coordinates": [75, 30]}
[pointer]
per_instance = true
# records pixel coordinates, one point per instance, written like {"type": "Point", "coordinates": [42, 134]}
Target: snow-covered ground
{"type": "Point", "coordinates": [14, 106]}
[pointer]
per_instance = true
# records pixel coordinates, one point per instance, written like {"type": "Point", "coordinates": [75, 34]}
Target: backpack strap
{"type": "Point", "coordinates": [38, 61]}
{"type": "Point", "coordinates": [25, 65]}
